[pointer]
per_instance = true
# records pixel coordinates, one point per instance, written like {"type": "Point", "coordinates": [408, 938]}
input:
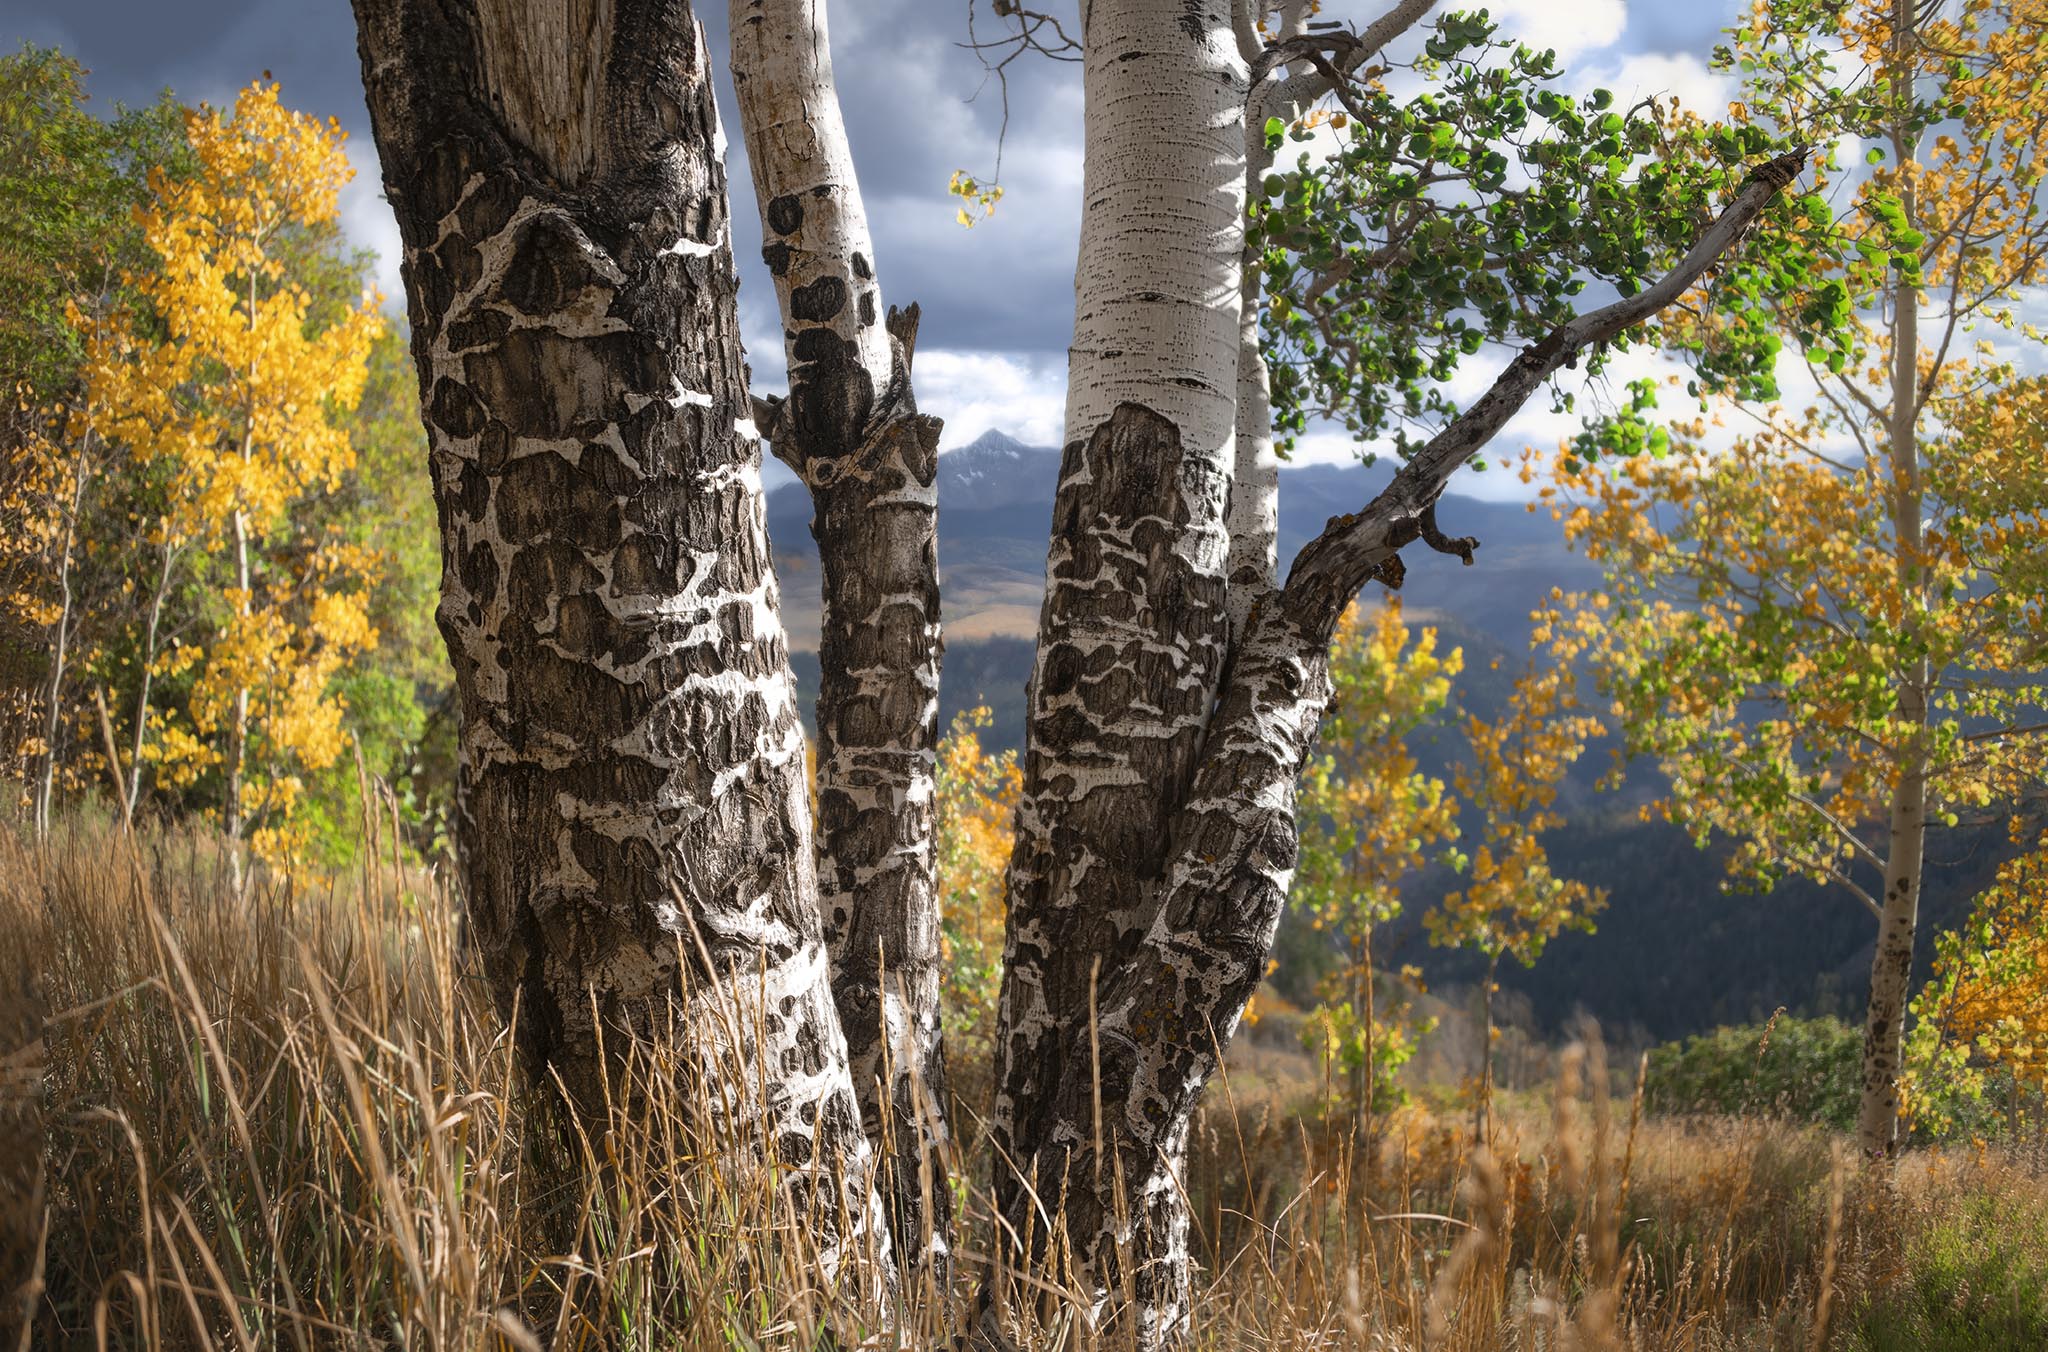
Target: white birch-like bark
{"type": "Point", "coordinates": [151, 630]}
{"type": "Point", "coordinates": [1254, 518]}
{"type": "Point", "coordinates": [60, 643]}
{"type": "Point", "coordinates": [850, 429]}
{"type": "Point", "coordinates": [1133, 631]}
{"type": "Point", "coordinates": [634, 821]}
{"type": "Point", "coordinates": [1891, 966]}
{"type": "Point", "coordinates": [1253, 522]}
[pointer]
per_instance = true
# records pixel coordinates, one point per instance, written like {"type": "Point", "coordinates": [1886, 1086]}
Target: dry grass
{"type": "Point", "coordinates": [295, 1122]}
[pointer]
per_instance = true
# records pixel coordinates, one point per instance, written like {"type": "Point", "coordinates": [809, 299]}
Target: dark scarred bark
{"type": "Point", "coordinates": [850, 429]}
{"type": "Point", "coordinates": [1131, 645]}
{"type": "Point", "coordinates": [634, 823]}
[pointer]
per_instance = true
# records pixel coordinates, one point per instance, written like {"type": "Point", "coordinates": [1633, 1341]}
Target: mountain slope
{"type": "Point", "coordinates": [1672, 955]}
{"type": "Point", "coordinates": [995, 507]}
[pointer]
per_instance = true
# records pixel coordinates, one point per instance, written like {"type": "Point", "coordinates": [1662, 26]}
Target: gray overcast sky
{"type": "Point", "coordinates": [998, 299]}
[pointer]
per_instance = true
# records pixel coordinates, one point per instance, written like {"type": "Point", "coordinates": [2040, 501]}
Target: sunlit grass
{"type": "Point", "coordinates": [296, 1121]}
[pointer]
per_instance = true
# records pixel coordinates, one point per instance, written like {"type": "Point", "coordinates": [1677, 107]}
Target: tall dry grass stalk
{"type": "Point", "coordinates": [296, 1121]}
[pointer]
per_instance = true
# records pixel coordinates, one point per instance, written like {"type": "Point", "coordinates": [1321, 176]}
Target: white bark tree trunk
{"type": "Point", "coordinates": [634, 823]}
{"type": "Point", "coordinates": [60, 643]}
{"type": "Point", "coordinates": [1891, 967]}
{"type": "Point", "coordinates": [150, 633]}
{"type": "Point", "coordinates": [1134, 630]}
{"type": "Point", "coordinates": [850, 429]}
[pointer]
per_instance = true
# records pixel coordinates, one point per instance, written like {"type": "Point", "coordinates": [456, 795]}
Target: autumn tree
{"type": "Point", "coordinates": [1369, 819]}
{"type": "Point", "coordinates": [1983, 1014]}
{"type": "Point", "coordinates": [1827, 621]}
{"type": "Point", "coordinates": [631, 766]}
{"type": "Point", "coordinates": [69, 185]}
{"type": "Point", "coordinates": [1512, 904]}
{"type": "Point", "coordinates": [977, 804]}
{"type": "Point", "coordinates": [217, 381]}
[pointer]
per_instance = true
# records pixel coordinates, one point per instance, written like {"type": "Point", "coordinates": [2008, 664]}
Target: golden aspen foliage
{"type": "Point", "coordinates": [977, 803]}
{"type": "Point", "coordinates": [69, 185]}
{"type": "Point", "coordinates": [1814, 599]}
{"type": "Point", "coordinates": [1826, 608]}
{"type": "Point", "coordinates": [1985, 1008]}
{"type": "Point", "coordinates": [1758, 627]}
{"type": "Point", "coordinates": [1369, 820]}
{"type": "Point", "coordinates": [219, 382]}
{"type": "Point", "coordinates": [1512, 904]}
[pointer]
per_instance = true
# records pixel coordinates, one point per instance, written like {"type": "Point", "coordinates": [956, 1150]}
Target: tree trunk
{"type": "Point", "coordinates": [633, 800]}
{"type": "Point", "coordinates": [851, 431]}
{"type": "Point", "coordinates": [60, 645]}
{"type": "Point", "coordinates": [1891, 968]}
{"type": "Point", "coordinates": [1209, 908]}
{"type": "Point", "coordinates": [1482, 1111]}
{"type": "Point", "coordinates": [1149, 534]}
{"type": "Point", "coordinates": [234, 824]}
{"type": "Point", "coordinates": [1133, 631]}
{"type": "Point", "coordinates": [149, 644]}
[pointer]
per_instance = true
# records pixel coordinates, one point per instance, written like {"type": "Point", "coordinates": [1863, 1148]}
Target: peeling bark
{"type": "Point", "coordinates": [851, 431]}
{"type": "Point", "coordinates": [634, 823]}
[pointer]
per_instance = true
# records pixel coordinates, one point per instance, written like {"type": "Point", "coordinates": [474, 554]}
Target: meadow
{"type": "Point", "coordinates": [296, 1121]}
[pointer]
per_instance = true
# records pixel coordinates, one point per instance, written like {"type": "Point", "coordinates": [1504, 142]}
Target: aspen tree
{"type": "Point", "coordinates": [1862, 568]}
{"type": "Point", "coordinates": [635, 824]}
{"type": "Point", "coordinates": [225, 389]}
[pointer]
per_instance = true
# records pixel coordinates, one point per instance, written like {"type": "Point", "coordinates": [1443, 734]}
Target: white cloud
{"type": "Point", "coordinates": [976, 391]}
{"type": "Point", "coordinates": [1660, 75]}
{"type": "Point", "coordinates": [1570, 28]}
{"type": "Point", "coordinates": [367, 221]}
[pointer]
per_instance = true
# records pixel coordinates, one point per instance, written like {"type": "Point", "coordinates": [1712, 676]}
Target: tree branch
{"type": "Point", "coordinates": [1353, 548]}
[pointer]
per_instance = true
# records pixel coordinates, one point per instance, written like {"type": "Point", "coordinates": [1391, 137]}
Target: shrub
{"type": "Point", "coordinates": [1804, 1070]}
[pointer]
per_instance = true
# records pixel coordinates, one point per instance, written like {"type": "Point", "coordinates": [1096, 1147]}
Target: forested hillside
{"type": "Point", "coordinates": [1675, 952]}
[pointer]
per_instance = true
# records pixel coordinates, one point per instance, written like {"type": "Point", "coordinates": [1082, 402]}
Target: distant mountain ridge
{"type": "Point", "coordinates": [1671, 956]}
{"type": "Point", "coordinates": [995, 509]}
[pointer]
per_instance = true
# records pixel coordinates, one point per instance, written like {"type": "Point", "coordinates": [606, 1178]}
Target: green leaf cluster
{"type": "Point", "coordinates": [1490, 208]}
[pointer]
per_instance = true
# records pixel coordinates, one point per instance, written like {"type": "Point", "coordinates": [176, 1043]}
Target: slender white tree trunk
{"type": "Point", "coordinates": [1134, 630]}
{"type": "Point", "coordinates": [634, 821]}
{"type": "Point", "coordinates": [60, 643]}
{"type": "Point", "coordinates": [152, 628]}
{"type": "Point", "coordinates": [850, 429]}
{"type": "Point", "coordinates": [234, 821]}
{"type": "Point", "coordinates": [1891, 968]}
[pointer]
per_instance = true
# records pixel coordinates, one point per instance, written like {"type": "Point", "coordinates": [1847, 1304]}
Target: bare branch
{"type": "Point", "coordinates": [1306, 87]}
{"type": "Point", "coordinates": [1462, 545]}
